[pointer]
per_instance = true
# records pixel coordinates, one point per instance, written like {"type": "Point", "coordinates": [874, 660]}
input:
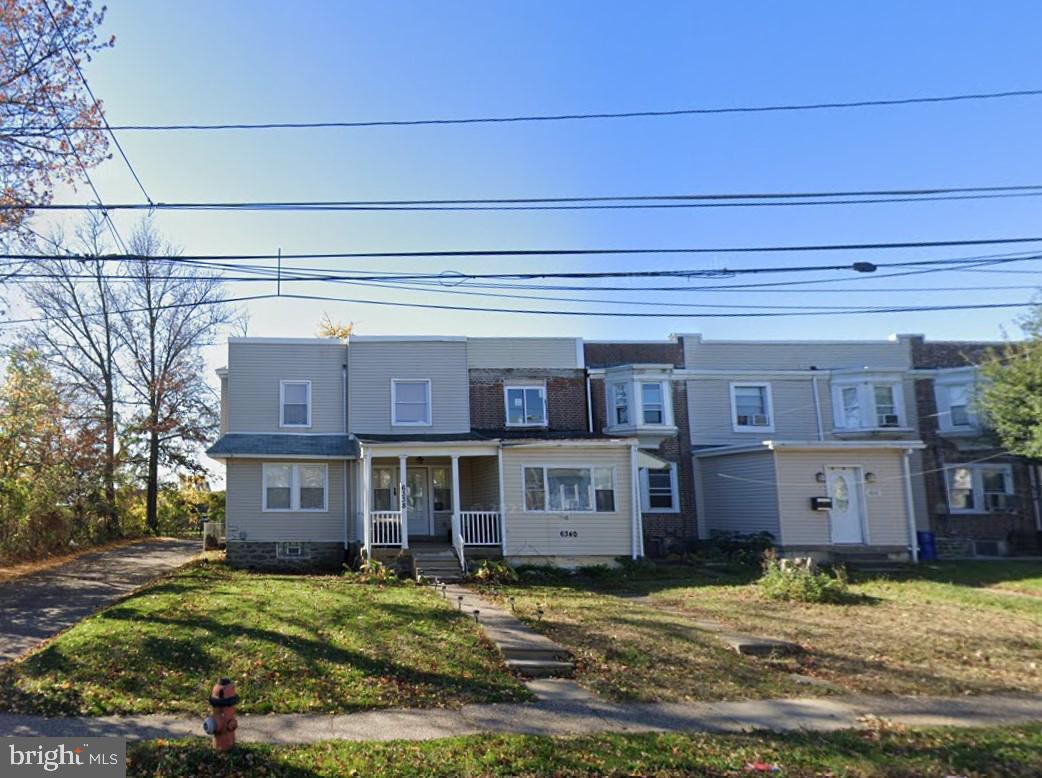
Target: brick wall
{"type": "Point", "coordinates": [612, 354]}
{"type": "Point", "coordinates": [565, 397]}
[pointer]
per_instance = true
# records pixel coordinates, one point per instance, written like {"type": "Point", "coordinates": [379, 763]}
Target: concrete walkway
{"type": "Point", "coordinates": [564, 710]}
{"type": "Point", "coordinates": [36, 606]}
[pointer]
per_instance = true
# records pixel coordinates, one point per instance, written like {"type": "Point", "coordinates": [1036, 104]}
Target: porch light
{"type": "Point", "coordinates": [870, 478]}
{"type": "Point", "coordinates": [819, 477]}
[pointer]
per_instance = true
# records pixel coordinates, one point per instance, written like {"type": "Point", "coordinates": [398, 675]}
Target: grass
{"type": "Point", "coordinates": [1008, 751]}
{"type": "Point", "coordinates": [291, 644]}
{"type": "Point", "coordinates": [918, 635]}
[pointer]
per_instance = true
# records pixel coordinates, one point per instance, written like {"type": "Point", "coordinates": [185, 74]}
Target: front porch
{"type": "Point", "coordinates": [430, 497]}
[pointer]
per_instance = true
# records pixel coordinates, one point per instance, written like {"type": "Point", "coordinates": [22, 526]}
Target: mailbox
{"type": "Point", "coordinates": [821, 503]}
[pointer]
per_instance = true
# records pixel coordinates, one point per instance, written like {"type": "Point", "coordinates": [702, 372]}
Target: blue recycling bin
{"type": "Point", "coordinates": [927, 545]}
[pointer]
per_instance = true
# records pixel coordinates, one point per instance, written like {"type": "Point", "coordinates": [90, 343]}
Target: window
{"type": "Point", "coordinates": [295, 403]}
{"type": "Point", "coordinates": [621, 403]}
{"type": "Point", "coordinates": [570, 489]}
{"type": "Point", "coordinates": [954, 406]}
{"type": "Point", "coordinates": [526, 406]}
{"type": "Point", "coordinates": [385, 489]}
{"type": "Point", "coordinates": [441, 481]}
{"type": "Point", "coordinates": [980, 488]}
{"type": "Point", "coordinates": [291, 551]}
{"type": "Point", "coordinates": [295, 487]}
{"type": "Point", "coordinates": [658, 489]}
{"type": "Point", "coordinates": [652, 403]}
{"type": "Point", "coordinates": [751, 407]}
{"type": "Point", "coordinates": [411, 403]}
{"type": "Point", "coordinates": [867, 405]}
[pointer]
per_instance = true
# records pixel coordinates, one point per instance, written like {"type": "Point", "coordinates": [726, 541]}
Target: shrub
{"type": "Point", "coordinates": [802, 581]}
{"type": "Point", "coordinates": [493, 572]}
{"type": "Point", "coordinates": [740, 548]}
{"type": "Point", "coordinates": [376, 572]}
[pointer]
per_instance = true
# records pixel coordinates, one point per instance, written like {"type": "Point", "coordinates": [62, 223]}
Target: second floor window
{"type": "Point", "coordinates": [751, 406]}
{"type": "Point", "coordinates": [295, 404]}
{"type": "Point", "coordinates": [411, 403]}
{"type": "Point", "coordinates": [620, 401]}
{"type": "Point", "coordinates": [868, 405]}
{"type": "Point", "coordinates": [526, 406]}
{"type": "Point", "coordinates": [885, 396]}
{"type": "Point", "coordinates": [653, 403]}
{"type": "Point", "coordinates": [954, 406]}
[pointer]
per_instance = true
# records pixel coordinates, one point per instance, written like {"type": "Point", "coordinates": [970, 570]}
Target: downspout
{"type": "Point", "coordinates": [348, 512]}
{"type": "Point", "coordinates": [817, 408]}
{"type": "Point", "coordinates": [1033, 479]}
{"type": "Point", "coordinates": [913, 540]}
{"type": "Point", "coordinates": [589, 404]}
{"type": "Point", "coordinates": [637, 533]}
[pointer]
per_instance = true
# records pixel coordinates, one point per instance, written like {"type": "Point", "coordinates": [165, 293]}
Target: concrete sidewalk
{"type": "Point", "coordinates": [565, 709]}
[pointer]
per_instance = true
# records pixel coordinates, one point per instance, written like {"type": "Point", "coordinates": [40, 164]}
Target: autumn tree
{"type": "Point", "coordinates": [76, 336]}
{"type": "Point", "coordinates": [169, 311]}
{"type": "Point", "coordinates": [48, 121]}
{"type": "Point", "coordinates": [1010, 397]}
{"type": "Point", "coordinates": [330, 328]}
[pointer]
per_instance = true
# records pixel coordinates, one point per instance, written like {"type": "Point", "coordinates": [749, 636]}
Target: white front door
{"type": "Point", "coordinates": [847, 514]}
{"type": "Point", "coordinates": [418, 501]}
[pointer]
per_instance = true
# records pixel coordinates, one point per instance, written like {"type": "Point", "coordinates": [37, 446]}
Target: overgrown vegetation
{"type": "Point", "coordinates": [801, 580]}
{"type": "Point", "coordinates": [292, 644]}
{"type": "Point", "coordinates": [491, 571]}
{"type": "Point", "coordinates": [1014, 752]}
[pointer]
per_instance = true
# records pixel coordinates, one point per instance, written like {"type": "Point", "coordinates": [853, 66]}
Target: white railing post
{"type": "Point", "coordinates": [367, 521]}
{"type": "Point", "coordinates": [502, 504]}
{"type": "Point", "coordinates": [403, 515]}
{"type": "Point", "coordinates": [457, 529]}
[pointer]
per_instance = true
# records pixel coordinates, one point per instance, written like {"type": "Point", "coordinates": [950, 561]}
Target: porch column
{"type": "Point", "coordinates": [457, 530]}
{"type": "Point", "coordinates": [402, 514]}
{"type": "Point", "coordinates": [366, 484]}
{"type": "Point", "coordinates": [502, 505]}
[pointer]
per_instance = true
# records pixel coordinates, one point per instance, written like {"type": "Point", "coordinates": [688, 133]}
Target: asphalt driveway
{"type": "Point", "coordinates": [37, 606]}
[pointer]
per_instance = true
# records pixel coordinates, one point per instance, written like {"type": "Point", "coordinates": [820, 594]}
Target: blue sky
{"type": "Point", "coordinates": [257, 61]}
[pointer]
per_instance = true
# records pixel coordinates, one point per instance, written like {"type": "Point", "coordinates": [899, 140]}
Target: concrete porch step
{"type": "Point", "coordinates": [541, 668]}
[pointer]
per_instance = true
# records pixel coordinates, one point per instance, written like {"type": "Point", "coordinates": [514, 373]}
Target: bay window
{"type": "Point", "coordinates": [653, 403]}
{"type": "Point", "coordinates": [569, 489]}
{"type": "Point", "coordinates": [294, 487]}
{"type": "Point", "coordinates": [620, 403]}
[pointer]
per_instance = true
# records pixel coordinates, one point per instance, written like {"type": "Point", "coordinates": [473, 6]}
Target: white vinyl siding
{"type": "Point", "coordinates": [246, 515]}
{"type": "Point", "coordinates": [568, 534]}
{"type": "Point", "coordinates": [545, 353]}
{"type": "Point", "coordinates": [255, 373]}
{"type": "Point", "coordinates": [740, 493]}
{"type": "Point", "coordinates": [374, 364]}
{"type": "Point", "coordinates": [805, 355]}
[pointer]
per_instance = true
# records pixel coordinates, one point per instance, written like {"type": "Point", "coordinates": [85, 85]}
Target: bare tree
{"type": "Point", "coordinates": [48, 121]}
{"type": "Point", "coordinates": [76, 337]}
{"type": "Point", "coordinates": [169, 311]}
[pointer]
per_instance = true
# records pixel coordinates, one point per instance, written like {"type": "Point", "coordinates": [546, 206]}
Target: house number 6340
{"type": "Point", "coordinates": [569, 533]}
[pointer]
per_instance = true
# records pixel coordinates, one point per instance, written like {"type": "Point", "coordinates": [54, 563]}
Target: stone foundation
{"type": "Point", "coordinates": [264, 556]}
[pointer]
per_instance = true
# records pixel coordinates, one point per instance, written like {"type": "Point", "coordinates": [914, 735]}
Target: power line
{"type": "Point", "coordinates": [707, 111]}
{"type": "Point", "coordinates": [613, 202]}
{"type": "Point", "coordinates": [97, 104]}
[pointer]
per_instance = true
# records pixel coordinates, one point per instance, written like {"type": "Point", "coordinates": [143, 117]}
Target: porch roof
{"type": "Point", "coordinates": [237, 444]}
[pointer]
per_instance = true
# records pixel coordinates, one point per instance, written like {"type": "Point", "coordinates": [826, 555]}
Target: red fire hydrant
{"type": "Point", "coordinates": [222, 724]}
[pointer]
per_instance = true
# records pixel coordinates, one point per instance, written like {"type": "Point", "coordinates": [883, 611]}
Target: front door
{"type": "Point", "coordinates": [847, 514]}
{"type": "Point", "coordinates": [418, 501]}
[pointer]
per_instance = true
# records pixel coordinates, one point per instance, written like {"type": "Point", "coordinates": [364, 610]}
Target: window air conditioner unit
{"type": "Point", "coordinates": [759, 420]}
{"type": "Point", "coordinates": [889, 420]}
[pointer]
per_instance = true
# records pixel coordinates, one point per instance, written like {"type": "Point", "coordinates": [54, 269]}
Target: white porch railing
{"type": "Point", "coordinates": [386, 528]}
{"type": "Point", "coordinates": [480, 528]}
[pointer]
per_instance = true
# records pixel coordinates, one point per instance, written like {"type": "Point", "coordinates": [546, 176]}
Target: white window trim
{"type": "Point", "coordinates": [294, 487]}
{"type": "Point", "coordinates": [281, 553]}
{"type": "Point", "coordinates": [569, 466]}
{"type": "Point", "coordinates": [521, 387]}
{"type": "Point", "coordinates": [282, 402]}
{"type": "Point", "coordinates": [645, 491]}
{"type": "Point", "coordinates": [667, 420]}
{"type": "Point", "coordinates": [977, 482]}
{"type": "Point", "coordinates": [394, 403]}
{"type": "Point", "coordinates": [944, 406]}
{"type": "Point", "coordinates": [613, 421]}
{"type": "Point", "coordinates": [768, 398]}
{"type": "Point", "coordinates": [867, 404]}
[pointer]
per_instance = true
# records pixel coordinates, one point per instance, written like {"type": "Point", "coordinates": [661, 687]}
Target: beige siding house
{"type": "Point", "coordinates": [814, 442]}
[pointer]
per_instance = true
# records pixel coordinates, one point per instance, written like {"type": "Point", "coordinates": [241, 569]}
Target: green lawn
{"type": "Point", "coordinates": [1013, 751]}
{"type": "Point", "coordinates": [919, 635]}
{"type": "Point", "coordinates": [291, 643]}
